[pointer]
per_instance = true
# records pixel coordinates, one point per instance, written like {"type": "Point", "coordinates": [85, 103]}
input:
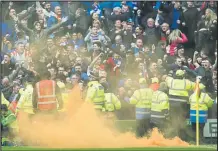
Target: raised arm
{"type": "Point", "coordinates": [95, 60]}
{"type": "Point", "coordinates": [55, 27]}
{"type": "Point", "coordinates": [87, 38]}
{"type": "Point", "coordinates": [25, 28]}
{"type": "Point", "coordinates": [26, 13]}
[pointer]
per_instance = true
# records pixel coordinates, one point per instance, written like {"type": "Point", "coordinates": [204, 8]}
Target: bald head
{"type": "Point", "coordinates": [58, 10]}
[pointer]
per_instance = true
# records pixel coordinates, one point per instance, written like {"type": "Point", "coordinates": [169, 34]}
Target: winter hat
{"type": "Point", "coordinates": [180, 46]}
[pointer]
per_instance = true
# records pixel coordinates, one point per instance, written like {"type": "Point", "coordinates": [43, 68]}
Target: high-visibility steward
{"type": "Point", "coordinates": [159, 108]}
{"type": "Point", "coordinates": [4, 100]}
{"type": "Point", "coordinates": [112, 103]}
{"type": "Point", "coordinates": [8, 121]}
{"type": "Point", "coordinates": [178, 98]}
{"type": "Point", "coordinates": [95, 95]}
{"type": "Point", "coordinates": [178, 90]}
{"type": "Point", "coordinates": [204, 103]}
{"type": "Point", "coordinates": [141, 98]}
{"type": "Point", "coordinates": [46, 97]}
{"type": "Point", "coordinates": [65, 98]}
{"type": "Point", "coordinates": [25, 103]}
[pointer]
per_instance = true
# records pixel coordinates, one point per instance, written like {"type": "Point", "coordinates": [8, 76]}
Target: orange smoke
{"type": "Point", "coordinates": [82, 128]}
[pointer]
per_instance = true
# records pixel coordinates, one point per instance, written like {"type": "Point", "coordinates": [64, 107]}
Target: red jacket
{"type": "Point", "coordinates": [112, 64]}
{"type": "Point", "coordinates": [175, 43]}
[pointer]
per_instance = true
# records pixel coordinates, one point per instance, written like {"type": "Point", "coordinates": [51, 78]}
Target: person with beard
{"type": "Point", "coordinates": [6, 65]}
{"type": "Point", "coordinates": [83, 75]}
{"type": "Point", "coordinates": [39, 35]}
{"type": "Point", "coordinates": [62, 74]}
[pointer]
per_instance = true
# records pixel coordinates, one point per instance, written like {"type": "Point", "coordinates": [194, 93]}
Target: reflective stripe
{"type": "Point", "coordinates": [143, 109]}
{"type": "Point", "coordinates": [138, 112]}
{"type": "Point", "coordinates": [158, 116]}
{"type": "Point", "coordinates": [177, 88]}
{"type": "Point", "coordinates": [157, 101]}
{"type": "Point", "coordinates": [177, 100]}
{"type": "Point", "coordinates": [98, 103]}
{"type": "Point", "coordinates": [202, 102]}
{"type": "Point", "coordinates": [46, 96]}
{"type": "Point", "coordinates": [47, 102]}
{"type": "Point", "coordinates": [200, 115]}
{"type": "Point", "coordinates": [156, 112]}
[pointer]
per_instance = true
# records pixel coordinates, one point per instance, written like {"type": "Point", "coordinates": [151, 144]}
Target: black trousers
{"type": "Point", "coordinates": [161, 126]}
{"type": "Point", "coordinates": [201, 131]}
{"type": "Point", "coordinates": [178, 115]}
{"type": "Point", "coordinates": [142, 127]}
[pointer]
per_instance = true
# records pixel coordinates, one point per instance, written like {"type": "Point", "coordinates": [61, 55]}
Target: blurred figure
{"type": "Point", "coordinates": [142, 100]}
{"type": "Point", "coordinates": [160, 108]}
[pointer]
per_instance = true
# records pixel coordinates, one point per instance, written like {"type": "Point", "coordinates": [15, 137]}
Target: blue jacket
{"type": "Point", "coordinates": [176, 15]}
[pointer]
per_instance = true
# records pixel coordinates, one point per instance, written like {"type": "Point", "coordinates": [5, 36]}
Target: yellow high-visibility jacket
{"type": "Point", "coordinates": [204, 103]}
{"type": "Point", "coordinates": [142, 100]}
{"type": "Point", "coordinates": [25, 102]}
{"type": "Point", "coordinates": [159, 106]}
{"type": "Point", "coordinates": [180, 87]}
{"type": "Point", "coordinates": [95, 94]}
{"type": "Point", "coordinates": [112, 102]}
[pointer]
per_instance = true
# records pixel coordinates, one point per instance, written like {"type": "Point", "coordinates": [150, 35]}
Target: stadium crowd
{"type": "Point", "coordinates": [112, 48]}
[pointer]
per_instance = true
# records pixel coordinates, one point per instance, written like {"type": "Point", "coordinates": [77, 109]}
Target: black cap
{"type": "Point", "coordinates": [180, 46]}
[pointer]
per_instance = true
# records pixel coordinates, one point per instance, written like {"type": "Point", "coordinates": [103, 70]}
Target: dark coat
{"type": "Point", "coordinates": [191, 17]}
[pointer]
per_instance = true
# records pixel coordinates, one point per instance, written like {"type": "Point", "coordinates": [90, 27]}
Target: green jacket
{"type": "Point", "coordinates": [8, 119]}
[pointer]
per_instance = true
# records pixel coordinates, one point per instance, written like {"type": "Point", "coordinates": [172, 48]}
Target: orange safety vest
{"type": "Point", "coordinates": [46, 95]}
